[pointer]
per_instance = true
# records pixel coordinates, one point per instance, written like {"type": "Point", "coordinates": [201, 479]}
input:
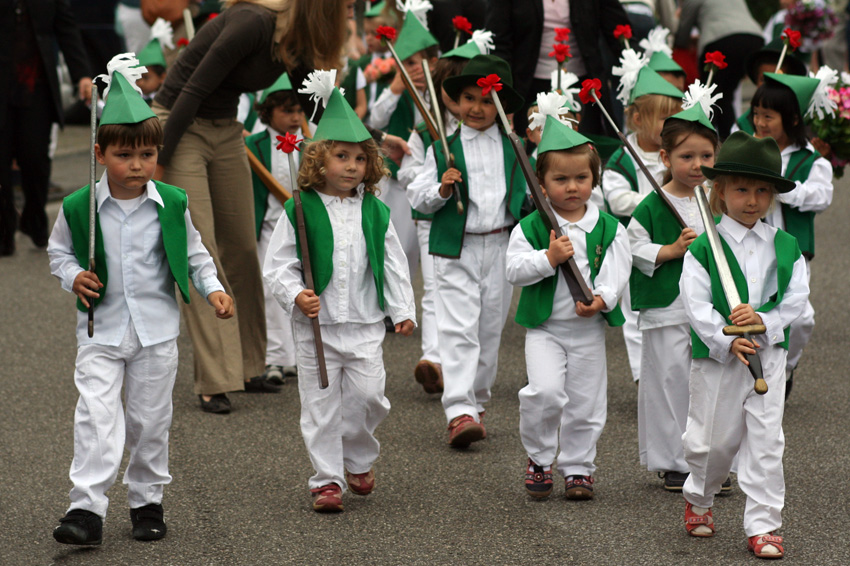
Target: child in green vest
{"type": "Point", "coordinates": [473, 297]}
{"type": "Point", "coordinates": [278, 108]}
{"type": "Point", "coordinates": [726, 417]}
{"type": "Point", "coordinates": [780, 108]}
{"type": "Point", "coordinates": [144, 243]}
{"type": "Point", "coordinates": [565, 402]}
{"type": "Point", "coordinates": [658, 244]}
{"type": "Point", "coordinates": [360, 276]}
{"type": "Point", "coordinates": [153, 59]}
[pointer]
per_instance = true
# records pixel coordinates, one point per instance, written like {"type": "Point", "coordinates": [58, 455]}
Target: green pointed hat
{"type": "Point", "coordinates": [124, 104]}
{"type": "Point", "coordinates": [693, 114]}
{"type": "Point", "coordinates": [340, 123]}
{"type": "Point", "coordinates": [412, 38]}
{"type": "Point", "coordinates": [466, 51]}
{"type": "Point", "coordinates": [802, 87]}
{"type": "Point", "coordinates": [152, 54]}
{"type": "Point", "coordinates": [479, 67]}
{"type": "Point", "coordinates": [282, 83]}
{"type": "Point", "coordinates": [557, 135]}
{"type": "Point", "coordinates": [375, 10]}
{"type": "Point", "coordinates": [650, 82]}
{"type": "Point", "coordinates": [662, 63]}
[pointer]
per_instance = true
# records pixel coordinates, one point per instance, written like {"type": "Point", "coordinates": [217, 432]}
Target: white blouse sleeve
{"type": "Point", "coordinates": [524, 265]}
{"type": "Point", "coordinates": [815, 193]}
{"type": "Point", "coordinates": [614, 273]}
{"type": "Point", "coordinates": [282, 270]}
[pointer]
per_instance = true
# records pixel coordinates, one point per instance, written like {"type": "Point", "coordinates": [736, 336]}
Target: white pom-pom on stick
{"type": "Point", "coordinates": [161, 30]}
{"type": "Point", "coordinates": [821, 104]}
{"type": "Point", "coordinates": [548, 104]}
{"type": "Point", "coordinates": [703, 95]}
{"type": "Point", "coordinates": [567, 89]}
{"type": "Point", "coordinates": [484, 40]}
{"type": "Point", "coordinates": [127, 65]}
{"type": "Point", "coordinates": [656, 42]}
{"type": "Point", "coordinates": [419, 8]}
{"type": "Point", "coordinates": [631, 64]}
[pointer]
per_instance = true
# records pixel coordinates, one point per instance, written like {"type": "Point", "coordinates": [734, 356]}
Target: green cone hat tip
{"type": "Point", "coordinates": [282, 83]}
{"type": "Point", "coordinates": [557, 135]}
{"type": "Point", "coordinates": [412, 38]}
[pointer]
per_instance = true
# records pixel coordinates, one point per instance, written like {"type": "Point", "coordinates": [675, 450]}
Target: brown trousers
{"type": "Point", "coordinates": [210, 165]}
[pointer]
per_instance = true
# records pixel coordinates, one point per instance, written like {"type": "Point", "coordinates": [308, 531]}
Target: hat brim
{"type": "Point", "coordinates": [511, 99]}
{"type": "Point", "coordinates": [782, 184]}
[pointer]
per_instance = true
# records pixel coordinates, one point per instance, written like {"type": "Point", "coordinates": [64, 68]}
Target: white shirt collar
{"type": "Point", "coordinates": [102, 192]}
{"type": "Point", "coordinates": [329, 199]}
{"type": "Point", "coordinates": [587, 222]}
{"type": "Point", "coordinates": [738, 231]}
{"type": "Point", "coordinates": [492, 132]}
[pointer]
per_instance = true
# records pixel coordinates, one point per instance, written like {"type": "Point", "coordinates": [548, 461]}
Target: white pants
{"type": "Point", "coordinates": [567, 388]}
{"type": "Point", "coordinates": [631, 334]}
{"type": "Point", "coordinates": [280, 345]}
{"type": "Point", "coordinates": [801, 330]}
{"type": "Point", "coordinates": [100, 426]}
{"type": "Point", "coordinates": [392, 194]}
{"type": "Point", "coordinates": [663, 397]}
{"type": "Point", "coordinates": [338, 423]}
{"type": "Point", "coordinates": [428, 323]}
{"type": "Point", "coordinates": [726, 416]}
{"type": "Point", "coordinates": [473, 298]}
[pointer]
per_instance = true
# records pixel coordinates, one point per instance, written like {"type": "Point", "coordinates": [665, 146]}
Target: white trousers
{"type": "Point", "coordinates": [280, 345]}
{"type": "Point", "coordinates": [338, 423]}
{"type": "Point", "coordinates": [726, 417]}
{"type": "Point", "coordinates": [428, 322]}
{"type": "Point", "coordinates": [473, 298]}
{"type": "Point", "coordinates": [631, 334]}
{"type": "Point", "coordinates": [801, 329]}
{"type": "Point", "coordinates": [101, 427]}
{"type": "Point", "coordinates": [567, 388]}
{"type": "Point", "coordinates": [393, 195]}
{"type": "Point", "coordinates": [663, 397]}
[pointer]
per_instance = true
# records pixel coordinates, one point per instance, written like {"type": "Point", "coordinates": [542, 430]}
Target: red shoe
{"type": "Point", "coordinates": [430, 376]}
{"type": "Point", "coordinates": [538, 480]}
{"type": "Point", "coordinates": [463, 431]}
{"type": "Point", "coordinates": [694, 521]}
{"type": "Point", "coordinates": [757, 545]}
{"type": "Point", "coordinates": [360, 484]}
{"type": "Point", "coordinates": [578, 487]}
{"type": "Point", "coordinates": [327, 499]}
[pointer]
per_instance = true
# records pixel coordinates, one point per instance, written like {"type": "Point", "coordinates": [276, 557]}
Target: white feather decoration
{"type": "Point", "coordinates": [419, 8]}
{"type": "Point", "coordinates": [161, 30]}
{"type": "Point", "coordinates": [127, 65]}
{"type": "Point", "coordinates": [656, 42]}
{"type": "Point", "coordinates": [630, 65]}
{"type": "Point", "coordinates": [567, 89]}
{"type": "Point", "coordinates": [484, 40]}
{"type": "Point", "coordinates": [821, 103]}
{"type": "Point", "coordinates": [319, 85]}
{"type": "Point", "coordinates": [845, 78]}
{"type": "Point", "coordinates": [548, 104]}
{"type": "Point", "coordinates": [705, 97]}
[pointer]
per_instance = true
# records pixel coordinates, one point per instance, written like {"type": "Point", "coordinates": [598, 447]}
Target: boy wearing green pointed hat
{"type": "Point", "coordinates": [144, 243]}
{"type": "Point", "coordinates": [771, 278]}
{"type": "Point", "coordinates": [565, 340]}
{"type": "Point", "coordinates": [360, 276]}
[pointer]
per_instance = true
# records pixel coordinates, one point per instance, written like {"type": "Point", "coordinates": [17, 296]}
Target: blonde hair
{"type": "Point", "coordinates": [718, 186]}
{"type": "Point", "coordinates": [311, 173]}
{"type": "Point", "coordinates": [307, 32]}
{"type": "Point", "coordinates": [651, 107]}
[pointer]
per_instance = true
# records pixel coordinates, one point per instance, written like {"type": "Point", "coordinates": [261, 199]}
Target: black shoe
{"type": "Point", "coordinates": [79, 526]}
{"type": "Point", "coordinates": [674, 481]}
{"type": "Point", "coordinates": [388, 325]}
{"type": "Point", "coordinates": [260, 384]}
{"type": "Point", "coordinates": [218, 404]}
{"type": "Point", "coordinates": [147, 522]}
{"type": "Point", "coordinates": [726, 486]}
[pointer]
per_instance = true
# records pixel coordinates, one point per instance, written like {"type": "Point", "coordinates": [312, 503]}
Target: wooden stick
{"type": "Point", "coordinates": [417, 98]}
{"type": "Point", "coordinates": [92, 200]}
{"type": "Point", "coordinates": [267, 178]}
{"type": "Point", "coordinates": [441, 129]}
{"type": "Point", "coordinates": [189, 24]}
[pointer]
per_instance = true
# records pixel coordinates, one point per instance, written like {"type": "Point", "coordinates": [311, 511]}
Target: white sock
{"type": "Point", "coordinates": [702, 529]}
{"type": "Point", "coordinates": [768, 548]}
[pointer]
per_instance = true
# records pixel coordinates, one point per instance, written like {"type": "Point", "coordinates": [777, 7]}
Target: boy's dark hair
{"type": "Point", "coordinates": [285, 98]}
{"type": "Point", "coordinates": [158, 70]}
{"type": "Point", "coordinates": [444, 68]}
{"type": "Point", "coordinates": [781, 99]}
{"type": "Point", "coordinates": [146, 132]}
{"type": "Point", "coordinates": [586, 149]}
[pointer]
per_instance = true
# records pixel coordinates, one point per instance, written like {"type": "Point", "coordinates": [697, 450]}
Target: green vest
{"type": "Point", "coordinates": [621, 162]}
{"type": "Point", "coordinates": [171, 218]}
{"type": "Point", "coordinates": [375, 220]}
{"type": "Point", "coordinates": [251, 117]}
{"type": "Point", "coordinates": [260, 145]}
{"type": "Point", "coordinates": [799, 224]}
{"type": "Point", "coordinates": [401, 124]}
{"type": "Point", "coordinates": [787, 252]}
{"type": "Point", "coordinates": [536, 301]}
{"type": "Point", "coordinates": [662, 288]}
{"type": "Point", "coordinates": [448, 227]}
{"type": "Point", "coordinates": [744, 123]}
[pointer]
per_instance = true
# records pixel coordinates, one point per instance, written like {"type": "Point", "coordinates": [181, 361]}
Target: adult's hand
{"type": "Point", "coordinates": [84, 89]}
{"type": "Point", "coordinates": [395, 148]}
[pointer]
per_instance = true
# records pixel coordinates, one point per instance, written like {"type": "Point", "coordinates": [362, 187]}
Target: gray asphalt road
{"type": "Point", "coordinates": [239, 493]}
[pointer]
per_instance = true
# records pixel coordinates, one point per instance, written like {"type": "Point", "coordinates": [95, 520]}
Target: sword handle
{"type": "Point", "coordinates": [755, 368]}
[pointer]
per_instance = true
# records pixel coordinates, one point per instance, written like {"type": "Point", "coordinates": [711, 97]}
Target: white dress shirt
{"type": "Point", "coordinates": [812, 195]}
{"type": "Point", "coordinates": [280, 171]}
{"type": "Point", "coordinates": [526, 265]}
{"type": "Point", "coordinates": [754, 250]}
{"type": "Point", "coordinates": [484, 177]}
{"type": "Point", "coordinates": [411, 165]}
{"type": "Point", "coordinates": [140, 285]}
{"type": "Point", "coordinates": [351, 295]}
{"type": "Point", "coordinates": [384, 107]}
{"type": "Point", "coordinates": [616, 188]}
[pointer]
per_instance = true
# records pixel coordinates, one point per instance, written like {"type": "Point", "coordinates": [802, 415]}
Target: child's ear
{"type": "Point", "coordinates": [665, 159]}
{"type": "Point", "coordinates": [98, 154]}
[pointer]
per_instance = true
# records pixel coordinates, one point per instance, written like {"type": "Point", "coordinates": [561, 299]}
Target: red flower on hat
{"type": "Point", "coordinates": [212, 16]}
{"type": "Point", "coordinates": [588, 87]}
{"type": "Point", "coordinates": [562, 34]}
{"type": "Point", "coordinates": [182, 42]}
{"type": "Point", "coordinates": [288, 143]}
{"type": "Point", "coordinates": [791, 38]}
{"type": "Point", "coordinates": [387, 33]}
{"type": "Point", "coordinates": [462, 24]}
{"type": "Point", "coordinates": [560, 52]}
{"type": "Point", "coordinates": [488, 83]}
{"type": "Point", "coordinates": [623, 32]}
{"type": "Point", "coordinates": [717, 59]}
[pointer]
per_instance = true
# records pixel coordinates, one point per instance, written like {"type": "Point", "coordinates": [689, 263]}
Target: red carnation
{"type": "Point", "coordinates": [490, 82]}
{"type": "Point", "coordinates": [560, 52]}
{"type": "Point", "coordinates": [717, 59]}
{"type": "Point", "coordinates": [791, 38]}
{"type": "Point", "coordinates": [212, 16]}
{"type": "Point", "coordinates": [623, 32]}
{"type": "Point", "coordinates": [588, 87]}
{"type": "Point", "coordinates": [182, 42]}
{"type": "Point", "coordinates": [288, 143]}
{"type": "Point", "coordinates": [387, 33]}
{"type": "Point", "coordinates": [562, 34]}
{"type": "Point", "coordinates": [462, 24]}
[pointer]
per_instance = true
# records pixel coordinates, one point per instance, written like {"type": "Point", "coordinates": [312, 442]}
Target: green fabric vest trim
{"type": "Point", "coordinates": [260, 145]}
{"type": "Point", "coordinates": [427, 141]}
{"type": "Point", "coordinates": [621, 162]}
{"type": "Point", "coordinates": [171, 218]}
{"type": "Point", "coordinates": [536, 301]}
{"type": "Point", "coordinates": [744, 123]}
{"type": "Point", "coordinates": [375, 220]}
{"type": "Point", "coordinates": [448, 227]}
{"type": "Point", "coordinates": [662, 288]}
{"type": "Point", "coordinates": [401, 124]}
{"type": "Point", "coordinates": [799, 224]}
{"type": "Point", "coordinates": [251, 118]}
{"type": "Point", "coordinates": [787, 252]}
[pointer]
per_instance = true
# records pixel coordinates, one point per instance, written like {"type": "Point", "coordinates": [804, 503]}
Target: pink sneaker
{"type": "Point", "coordinates": [360, 484]}
{"type": "Point", "coordinates": [327, 499]}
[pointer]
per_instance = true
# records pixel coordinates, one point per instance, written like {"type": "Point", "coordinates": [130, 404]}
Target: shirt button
{"type": "Point", "coordinates": [752, 252]}
{"type": "Point", "coordinates": [753, 280]}
{"type": "Point", "coordinates": [773, 337]}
